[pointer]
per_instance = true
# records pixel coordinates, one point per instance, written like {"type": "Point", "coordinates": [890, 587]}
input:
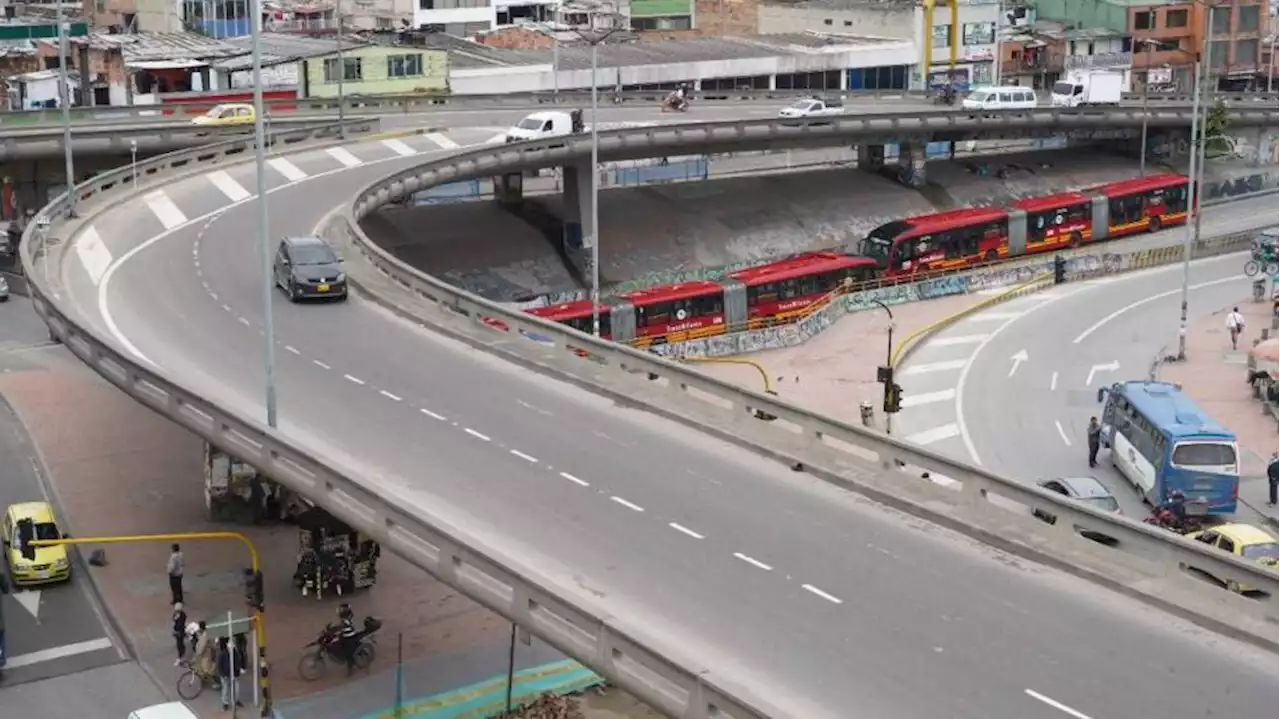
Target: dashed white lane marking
{"type": "Point", "coordinates": [93, 254]}
{"type": "Point", "coordinates": [927, 367]}
{"type": "Point", "coordinates": [818, 592]}
{"type": "Point", "coordinates": [342, 155]}
{"type": "Point", "coordinates": [1053, 382]}
{"type": "Point", "coordinates": [349, 378]}
{"type": "Point", "coordinates": [291, 349]}
{"type": "Point", "coordinates": [399, 148]}
{"type": "Point", "coordinates": [629, 505]}
{"type": "Point", "coordinates": [753, 561]}
{"type": "Point", "coordinates": [1055, 704]}
{"type": "Point", "coordinates": [243, 321]}
{"type": "Point", "coordinates": [949, 341]}
{"type": "Point", "coordinates": [685, 530]}
{"type": "Point", "coordinates": [937, 434]}
{"type": "Point", "coordinates": [525, 457]}
{"type": "Point", "coordinates": [226, 308]}
{"type": "Point", "coordinates": [945, 395]}
{"type": "Point", "coordinates": [320, 364]}
{"type": "Point", "coordinates": [477, 435]}
{"type": "Point", "coordinates": [214, 295]}
{"type": "Point", "coordinates": [441, 140]}
{"type": "Point", "coordinates": [431, 414]}
{"type": "Point", "coordinates": [388, 395]}
{"type": "Point", "coordinates": [165, 211]}
{"type": "Point", "coordinates": [232, 189]}
{"type": "Point", "coordinates": [290, 171]}
{"type": "Point", "coordinates": [575, 480]}
{"type": "Point", "coordinates": [1062, 433]}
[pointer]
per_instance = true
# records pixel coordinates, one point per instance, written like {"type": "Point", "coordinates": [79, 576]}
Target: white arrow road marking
{"type": "Point", "coordinates": [1018, 359]}
{"type": "Point", "coordinates": [30, 601]}
{"type": "Point", "coordinates": [1062, 433]}
{"type": "Point", "coordinates": [1111, 367]}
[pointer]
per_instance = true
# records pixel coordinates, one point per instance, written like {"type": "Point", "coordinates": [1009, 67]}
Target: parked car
{"type": "Point", "coordinates": [1086, 490]}
{"type": "Point", "coordinates": [307, 267]}
{"type": "Point", "coordinates": [1243, 540]}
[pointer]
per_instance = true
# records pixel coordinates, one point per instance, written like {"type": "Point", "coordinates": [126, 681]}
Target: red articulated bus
{"type": "Point", "coordinates": [952, 240]}
{"type": "Point", "coordinates": [755, 297]}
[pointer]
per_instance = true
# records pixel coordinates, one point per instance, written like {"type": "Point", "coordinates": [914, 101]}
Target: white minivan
{"type": "Point", "coordinates": [1000, 98]}
{"type": "Point", "coordinates": [170, 710]}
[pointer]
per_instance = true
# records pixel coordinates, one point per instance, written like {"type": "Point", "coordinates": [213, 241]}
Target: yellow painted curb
{"type": "Point", "coordinates": [768, 389]}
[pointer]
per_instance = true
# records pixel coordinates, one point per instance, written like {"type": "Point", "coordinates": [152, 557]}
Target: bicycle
{"type": "Point", "coordinates": [193, 681]}
{"type": "Point", "coordinates": [1253, 267]}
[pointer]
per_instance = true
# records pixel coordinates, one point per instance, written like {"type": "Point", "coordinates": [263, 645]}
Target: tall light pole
{"type": "Point", "coordinates": [999, 46]}
{"type": "Point", "coordinates": [594, 35]}
{"type": "Point", "coordinates": [342, 71]}
{"type": "Point", "coordinates": [1207, 88]}
{"type": "Point", "coordinates": [1192, 207]}
{"type": "Point", "coordinates": [64, 99]}
{"type": "Point", "coordinates": [264, 243]}
{"type": "Point", "coordinates": [1146, 88]}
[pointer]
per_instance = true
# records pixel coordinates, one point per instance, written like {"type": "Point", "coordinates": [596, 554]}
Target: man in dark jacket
{"type": "Point", "coordinates": [229, 674]}
{"type": "Point", "coordinates": [1095, 440]}
{"type": "Point", "coordinates": [179, 631]}
{"type": "Point", "coordinates": [1273, 478]}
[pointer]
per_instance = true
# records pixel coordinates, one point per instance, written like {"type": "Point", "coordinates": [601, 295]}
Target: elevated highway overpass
{"type": "Point", "coordinates": [686, 569]}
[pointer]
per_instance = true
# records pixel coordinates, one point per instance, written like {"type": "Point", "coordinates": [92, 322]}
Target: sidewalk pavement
{"type": "Point", "coordinates": [835, 371]}
{"type": "Point", "coordinates": [118, 469]}
{"type": "Point", "coordinates": [1214, 376]}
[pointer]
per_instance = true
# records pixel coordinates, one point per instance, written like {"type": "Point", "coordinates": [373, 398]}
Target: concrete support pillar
{"type": "Point", "coordinates": [870, 157]}
{"type": "Point", "coordinates": [85, 91]}
{"type": "Point", "coordinates": [1263, 147]}
{"type": "Point", "coordinates": [844, 80]}
{"type": "Point", "coordinates": [911, 162]}
{"type": "Point", "coordinates": [571, 201]}
{"type": "Point", "coordinates": [508, 190]}
{"type": "Point", "coordinates": [205, 84]}
{"type": "Point", "coordinates": [773, 82]}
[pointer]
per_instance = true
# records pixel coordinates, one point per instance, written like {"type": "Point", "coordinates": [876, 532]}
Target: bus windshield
{"type": "Point", "coordinates": [1204, 454]}
{"type": "Point", "coordinates": [878, 242]}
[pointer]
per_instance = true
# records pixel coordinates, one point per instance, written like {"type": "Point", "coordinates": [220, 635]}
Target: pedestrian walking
{"type": "Point", "coordinates": [1273, 478]}
{"type": "Point", "coordinates": [228, 675]}
{"type": "Point", "coordinates": [1235, 325]}
{"type": "Point", "coordinates": [179, 631]}
{"type": "Point", "coordinates": [175, 573]}
{"type": "Point", "coordinates": [1095, 440]}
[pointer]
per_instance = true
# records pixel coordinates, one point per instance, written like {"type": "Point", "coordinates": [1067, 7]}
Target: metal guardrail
{"type": "Point", "coordinates": [163, 129]}
{"type": "Point", "coordinates": [653, 668]}
{"type": "Point", "coordinates": [404, 104]}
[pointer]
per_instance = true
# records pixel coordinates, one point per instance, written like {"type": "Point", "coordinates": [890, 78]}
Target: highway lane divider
{"type": "Point", "coordinates": [641, 659]}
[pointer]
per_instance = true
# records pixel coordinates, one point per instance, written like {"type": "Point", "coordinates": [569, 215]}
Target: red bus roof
{"type": "Point", "coordinates": [956, 218]}
{"type": "Point", "coordinates": [565, 311]}
{"type": "Point", "coordinates": [1050, 202]}
{"type": "Point", "coordinates": [1140, 184]}
{"type": "Point", "coordinates": [671, 293]}
{"type": "Point", "coordinates": [799, 266]}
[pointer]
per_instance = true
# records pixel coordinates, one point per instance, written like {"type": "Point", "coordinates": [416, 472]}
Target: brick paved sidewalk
{"type": "Point", "coordinates": [1214, 376]}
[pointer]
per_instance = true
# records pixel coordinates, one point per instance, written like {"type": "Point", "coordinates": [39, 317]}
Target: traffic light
{"type": "Point", "coordinates": [1059, 270]}
{"type": "Point", "coordinates": [892, 398]}
{"type": "Point", "coordinates": [26, 534]}
{"type": "Point", "coordinates": [253, 594]}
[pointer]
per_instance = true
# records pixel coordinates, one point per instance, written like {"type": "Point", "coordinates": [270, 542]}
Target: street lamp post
{"type": "Point", "coordinates": [342, 71]}
{"type": "Point", "coordinates": [1146, 88]}
{"type": "Point", "coordinates": [264, 246]}
{"type": "Point", "coordinates": [133, 162]}
{"type": "Point", "coordinates": [594, 36]}
{"type": "Point", "coordinates": [64, 99]}
{"type": "Point", "coordinates": [888, 361]}
{"type": "Point", "coordinates": [1192, 207]}
{"type": "Point", "coordinates": [1207, 88]}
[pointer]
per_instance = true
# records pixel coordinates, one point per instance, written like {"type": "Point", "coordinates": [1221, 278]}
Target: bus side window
{"type": "Point", "coordinates": [703, 306]}
{"type": "Point", "coordinates": [766, 293]}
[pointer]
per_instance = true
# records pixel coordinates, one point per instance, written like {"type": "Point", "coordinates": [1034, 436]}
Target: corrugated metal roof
{"type": "Point", "coordinates": [17, 48]}
{"type": "Point", "coordinates": [279, 48]}
{"type": "Point", "coordinates": [160, 46]}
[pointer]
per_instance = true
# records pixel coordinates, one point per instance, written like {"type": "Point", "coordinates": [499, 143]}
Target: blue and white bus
{"type": "Point", "coordinates": [1161, 441]}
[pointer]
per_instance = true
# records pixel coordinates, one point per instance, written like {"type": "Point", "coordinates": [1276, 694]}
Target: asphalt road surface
{"type": "Point", "coordinates": [57, 629]}
{"type": "Point", "coordinates": [833, 606]}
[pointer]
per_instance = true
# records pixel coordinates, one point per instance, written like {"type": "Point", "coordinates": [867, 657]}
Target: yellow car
{"type": "Point", "coordinates": [34, 520]}
{"type": "Point", "coordinates": [1244, 541]}
{"type": "Point", "coordinates": [226, 115]}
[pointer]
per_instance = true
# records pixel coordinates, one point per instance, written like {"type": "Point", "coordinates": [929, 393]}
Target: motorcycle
{"type": "Point", "coordinates": [674, 103]}
{"type": "Point", "coordinates": [945, 96]}
{"type": "Point", "coordinates": [1188, 523]}
{"type": "Point", "coordinates": [327, 648]}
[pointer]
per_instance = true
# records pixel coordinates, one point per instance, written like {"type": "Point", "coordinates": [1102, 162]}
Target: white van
{"type": "Point", "coordinates": [170, 710]}
{"type": "Point", "coordinates": [1001, 98]}
{"type": "Point", "coordinates": [542, 125]}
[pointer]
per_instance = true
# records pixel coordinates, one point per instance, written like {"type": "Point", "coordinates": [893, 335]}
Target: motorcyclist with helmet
{"type": "Point", "coordinates": [347, 635]}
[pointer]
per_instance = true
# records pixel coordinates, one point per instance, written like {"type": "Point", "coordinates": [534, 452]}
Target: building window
{"type": "Point", "coordinates": [1246, 18]}
{"type": "Point", "coordinates": [848, 23]}
{"type": "Point", "coordinates": [1246, 53]}
{"type": "Point", "coordinates": [677, 22]}
{"type": "Point", "coordinates": [404, 65]}
{"type": "Point", "coordinates": [451, 4]}
{"type": "Point", "coordinates": [1175, 18]}
{"type": "Point", "coordinates": [1164, 45]}
{"type": "Point", "coordinates": [1143, 21]}
{"type": "Point", "coordinates": [827, 21]}
{"type": "Point", "coordinates": [979, 33]}
{"type": "Point", "coordinates": [1221, 19]}
{"type": "Point", "coordinates": [353, 69]}
{"type": "Point", "coordinates": [941, 35]}
{"type": "Point", "coordinates": [1218, 54]}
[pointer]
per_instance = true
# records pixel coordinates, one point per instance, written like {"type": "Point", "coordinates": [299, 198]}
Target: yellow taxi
{"type": "Point", "coordinates": [1244, 541]}
{"type": "Point", "coordinates": [33, 520]}
{"type": "Point", "coordinates": [225, 115]}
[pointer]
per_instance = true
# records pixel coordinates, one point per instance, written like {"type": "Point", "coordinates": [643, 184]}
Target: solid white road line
{"type": "Point", "coordinates": [497, 139]}
{"type": "Point", "coordinates": [431, 414]}
{"type": "Point", "coordinates": [67, 650]}
{"type": "Point", "coordinates": [288, 169]}
{"type": "Point", "coordinates": [1055, 704]}
{"type": "Point", "coordinates": [993, 316]}
{"type": "Point", "coordinates": [685, 530]}
{"type": "Point", "coordinates": [927, 367]}
{"type": "Point", "coordinates": [341, 154]}
{"type": "Point", "coordinates": [388, 395]}
{"type": "Point", "coordinates": [1062, 433]}
{"type": "Point", "coordinates": [945, 395]}
{"type": "Point", "coordinates": [1053, 382]}
{"type": "Point", "coordinates": [575, 480]}
{"type": "Point", "coordinates": [167, 212]}
{"type": "Point", "coordinates": [949, 341]}
{"type": "Point", "coordinates": [320, 364]}
{"type": "Point", "coordinates": [232, 189]}
{"type": "Point", "coordinates": [399, 147]}
{"type": "Point", "coordinates": [477, 435]}
{"type": "Point", "coordinates": [93, 254]}
{"type": "Point", "coordinates": [818, 592]}
{"type": "Point", "coordinates": [1098, 325]}
{"type": "Point", "coordinates": [526, 457]}
{"type": "Point", "coordinates": [937, 434]}
{"type": "Point", "coordinates": [625, 503]}
{"type": "Point", "coordinates": [444, 142]}
{"type": "Point", "coordinates": [350, 378]}
{"type": "Point", "coordinates": [753, 562]}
